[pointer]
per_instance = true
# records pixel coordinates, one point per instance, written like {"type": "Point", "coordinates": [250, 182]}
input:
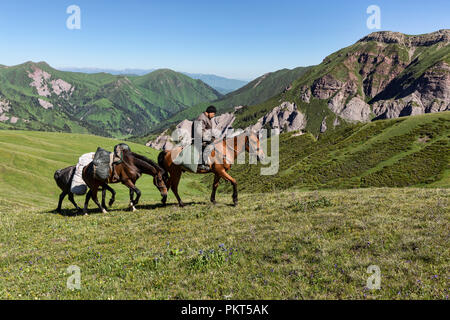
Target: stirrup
{"type": "Point", "coordinates": [203, 167]}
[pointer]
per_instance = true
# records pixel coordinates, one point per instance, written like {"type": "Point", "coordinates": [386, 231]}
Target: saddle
{"type": "Point", "coordinates": [105, 161]}
{"type": "Point", "coordinates": [190, 158]}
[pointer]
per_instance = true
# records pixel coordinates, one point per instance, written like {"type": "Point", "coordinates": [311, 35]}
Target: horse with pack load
{"type": "Point", "coordinates": [96, 170]}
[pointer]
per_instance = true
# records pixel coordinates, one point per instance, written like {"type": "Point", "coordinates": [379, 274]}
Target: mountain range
{"type": "Point", "coordinates": [36, 96]}
{"type": "Point", "coordinates": [383, 75]}
{"type": "Point", "coordinates": [221, 84]}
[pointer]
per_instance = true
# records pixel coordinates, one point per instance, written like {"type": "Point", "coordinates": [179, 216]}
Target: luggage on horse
{"type": "Point", "coordinates": [102, 163]}
{"type": "Point", "coordinates": [78, 185]}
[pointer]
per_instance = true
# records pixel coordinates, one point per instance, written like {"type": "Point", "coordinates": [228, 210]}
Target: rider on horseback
{"type": "Point", "coordinates": [202, 135]}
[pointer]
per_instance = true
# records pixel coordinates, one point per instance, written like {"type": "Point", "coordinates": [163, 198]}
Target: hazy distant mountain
{"type": "Point", "coordinates": [221, 84]}
{"type": "Point", "coordinates": [136, 72]}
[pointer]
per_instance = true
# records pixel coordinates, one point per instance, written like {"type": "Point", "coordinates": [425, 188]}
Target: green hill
{"type": "Point", "coordinates": [39, 97]}
{"type": "Point", "coordinates": [257, 91]}
{"type": "Point", "coordinates": [410, 151]}
{"type": "Point", "coordinates": [383, 75]}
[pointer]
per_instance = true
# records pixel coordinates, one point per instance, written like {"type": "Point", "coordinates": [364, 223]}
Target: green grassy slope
{"type": "Point", "coordinates": [29, 160]}
{"type": "Point", "coordinates": [282, 245]}
{"type": "Point", "coordinates": [286, 245]}
{"type": "Point", "coordinates": [102, 104]}
{"type": "Point", "coordinates": [396, 153]}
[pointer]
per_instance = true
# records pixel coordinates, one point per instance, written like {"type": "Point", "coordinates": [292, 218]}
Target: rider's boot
{"type": "Point", "coordinates": [202, 166]}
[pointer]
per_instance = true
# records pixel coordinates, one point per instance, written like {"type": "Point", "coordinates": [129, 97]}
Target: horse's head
{"type": "Point", "coordinates": [253, 145]}
{"type": "Point", "coordinates": [149, 167]}
{"type": "Point", "coordinates": [158, 181]}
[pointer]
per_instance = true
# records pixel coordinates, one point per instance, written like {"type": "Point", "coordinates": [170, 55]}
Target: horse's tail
{"type": "Point", "coordinates": [57, 175]}
{"type": "Point", "coordinates": [161, 157]}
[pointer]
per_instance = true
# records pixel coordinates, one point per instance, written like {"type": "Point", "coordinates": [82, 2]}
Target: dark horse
{"type": "Point", "coordinates": [63, 178]}
{"type": "Point", "coordinates": [221, 159]}
{"type": "Point", "coordinates": [127, 171]}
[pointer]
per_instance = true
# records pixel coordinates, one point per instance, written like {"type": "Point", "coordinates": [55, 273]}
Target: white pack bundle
{"type": "Point", "coordinates": [78, 186]}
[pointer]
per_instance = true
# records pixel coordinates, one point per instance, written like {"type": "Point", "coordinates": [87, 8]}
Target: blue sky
{"type": "Point", "coordinates": [238, 39]}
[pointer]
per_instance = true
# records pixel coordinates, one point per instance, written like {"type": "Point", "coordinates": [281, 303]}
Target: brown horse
{"type": "Point", "coordinates": [224, 154]}
{"type": "Point", "coordinates": [128, 171]}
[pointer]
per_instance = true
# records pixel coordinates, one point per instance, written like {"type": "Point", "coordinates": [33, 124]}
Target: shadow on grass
{"type": "Point", "coordinates": [76, 213]}
{"type": "Point", "coordinates": [65, 212]}
{"type": "Point", "coordinates": [160, 205]}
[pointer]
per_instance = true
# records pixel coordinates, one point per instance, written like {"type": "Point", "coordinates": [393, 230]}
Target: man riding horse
{"type": "Point", "coordinates": [202, 136]}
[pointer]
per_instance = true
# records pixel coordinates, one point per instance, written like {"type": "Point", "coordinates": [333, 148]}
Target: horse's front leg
{"type": "Point", "coordinates": [214, 188]}
{"type": "Point", "coordinates": [74, 203]}
{"type": "Point", "coordinates": [133, 189]}
{"type": "Point", "coordinates": [113, 194]}
{"type": "Point", "coordinates": [174, 181]}
{"type": "Point", "coordinates": [131, 200]}
{"type": "Point", "coordinates": [104, 197]}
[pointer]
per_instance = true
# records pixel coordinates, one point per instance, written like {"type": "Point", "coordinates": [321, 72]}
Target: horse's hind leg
{"type": "Point", "coordinates": [175, 180]}
{"type": "Point", "coordinates": [73, 202]}
{"type": "Point", "coordinates": [104, 197]}
{"type": "Point", "coordinates": [95, 198]}
{"type": "Point", "coordinates": [86, 202]}
{"type": "Point", "coordinates": [61, 198]}
{"type": "Point", "coordinates": [226, 176]}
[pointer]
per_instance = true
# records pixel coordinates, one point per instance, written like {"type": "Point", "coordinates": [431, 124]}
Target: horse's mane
{"type": "Point", "coordinates": [136, 161]}
{"type": "Point", "coordinates": [129, 161]}
{"type": "Point", "coordinates": [149, 161]}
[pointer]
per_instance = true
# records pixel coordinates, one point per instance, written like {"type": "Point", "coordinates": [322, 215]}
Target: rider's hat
{"type": "Point", "coordinates": [211, 109]}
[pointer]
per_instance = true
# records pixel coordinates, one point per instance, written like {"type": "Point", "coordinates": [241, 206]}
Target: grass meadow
{"type": "Point", "coordinates": [289, 244]}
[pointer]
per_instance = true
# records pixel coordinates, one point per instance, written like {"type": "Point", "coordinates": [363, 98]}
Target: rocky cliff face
{"type": "Point", "coordinates": [429, 93]}
{"type": "Point", "coordinates": [283, 118]}
{"type": "Point", "coordinates": [388, 73]}
{"type": "Point", "coordinates": [441, 36]}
